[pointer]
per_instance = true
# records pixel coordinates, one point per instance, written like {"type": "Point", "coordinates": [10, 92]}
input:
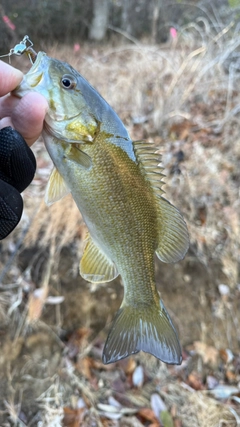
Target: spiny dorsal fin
{"type": "Point", "coordinates": [173, 240]}
{"type": "Point", "coordinates": [56, 188]}
{"type": "Point", "coordinates": [148, 160]}
{"type": "Point", "coordinates": [95, 266]}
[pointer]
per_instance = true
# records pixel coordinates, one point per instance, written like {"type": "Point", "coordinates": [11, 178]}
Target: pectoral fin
{"type": "Point", "coordinates": [56, 188]}
{"type": "Point", "coordinates": [95, 266]}
{"type": "Point", "coordinates": [76, 155]}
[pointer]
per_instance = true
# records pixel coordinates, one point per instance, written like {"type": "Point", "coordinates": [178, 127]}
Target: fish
{"type": "Point", "coordinates": [117, 186]}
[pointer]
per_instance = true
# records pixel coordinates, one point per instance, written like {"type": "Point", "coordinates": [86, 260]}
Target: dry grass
{"type": "Point", "coordinates": [181, 97]}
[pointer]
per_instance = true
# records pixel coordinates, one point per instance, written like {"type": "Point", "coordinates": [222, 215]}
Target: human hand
{"type": "Point", "coordinates": [17, 162]}
{"type": "Point", "coordinates": [26, 115]}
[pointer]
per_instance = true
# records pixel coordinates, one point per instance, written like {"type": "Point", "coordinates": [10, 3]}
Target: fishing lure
{"type": "Point", "coordinates": [25, 46]}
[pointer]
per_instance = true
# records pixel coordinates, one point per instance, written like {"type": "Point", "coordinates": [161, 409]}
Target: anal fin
{"type": "Point", "coordinates": [95, 266]}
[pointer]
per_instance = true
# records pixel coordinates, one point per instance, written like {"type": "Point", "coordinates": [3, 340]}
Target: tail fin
{"type": "Point", "coordinates": [149, 329]}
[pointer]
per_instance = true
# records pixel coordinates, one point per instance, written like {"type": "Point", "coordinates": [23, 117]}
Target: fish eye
{"type": "Point", "coordinates": [68, 82]}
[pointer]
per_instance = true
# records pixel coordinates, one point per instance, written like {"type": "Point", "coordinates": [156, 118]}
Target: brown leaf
{"type": "Point", "coordinates": [231, 376]}
{"type": "Point", "coordinates": [195, 381]}
{"type": "Point", "coordinates": [84, 367]}
{"type": "Point", "coordinates": [226, 355]}
{"type": "Point", "coordinates": [181, 130]}
{"type": "Point", "coordinates": [202, 214]}
{"type": "Point", "coordinates": [78, 340]}
{"type": "Point", "coordinates": [208, 353]}
{"type": "Point", "coordinates": [148, 415]}
{"type": "Point", "coordinates": [130, 366]}
{"type": "Point", "coordinates": [36, 303]}
{"type": "Point", "coordinates": [72, 417]}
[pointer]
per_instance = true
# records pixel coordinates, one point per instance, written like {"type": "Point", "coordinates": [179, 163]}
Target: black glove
{"type": "Point", "coordinates": [17, 169]}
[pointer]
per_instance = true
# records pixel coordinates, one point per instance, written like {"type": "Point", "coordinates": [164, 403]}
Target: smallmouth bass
{"type": "Point", "coordinates": [116, 184]}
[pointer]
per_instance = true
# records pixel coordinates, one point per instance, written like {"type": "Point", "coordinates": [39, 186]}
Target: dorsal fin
{"type": "Point", "coordinates": [173, 240]}
{"type": "Point", "coordinates": [148, 160]}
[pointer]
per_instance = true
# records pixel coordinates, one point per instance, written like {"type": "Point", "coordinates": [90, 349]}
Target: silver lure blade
{"type": "Point", "coordinates": [25, 46]}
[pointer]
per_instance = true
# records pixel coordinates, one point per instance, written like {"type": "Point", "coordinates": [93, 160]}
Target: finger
{"type": "Point", "coordinates": [28, 116]}
{"type": "Point", "coordinates": [7, 104]}
{"type": "Point", "coordinates": [5, 122]}
{"type": "Point", "coordinates": [10, 78]}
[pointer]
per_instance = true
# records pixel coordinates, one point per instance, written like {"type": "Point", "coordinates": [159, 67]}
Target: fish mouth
{"type": "Point", "coordinates": [37, 62]}
{"type": "Point", "coordinates": [33, 77]}
{"type": "Point", "coordinates": [35, 74]}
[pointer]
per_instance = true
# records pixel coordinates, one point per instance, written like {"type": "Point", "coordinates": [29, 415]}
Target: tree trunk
{"type": "Point", "coordinates": [100, 19]}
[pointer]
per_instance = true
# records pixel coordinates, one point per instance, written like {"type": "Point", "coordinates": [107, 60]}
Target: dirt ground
{"type": "Point", "coordinates": [184, 98]}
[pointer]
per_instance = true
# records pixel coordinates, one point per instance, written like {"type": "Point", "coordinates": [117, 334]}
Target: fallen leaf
{"type": "Point", "coordinates": [223, 289]}
{"type": "Point", "coordinates": [148, 414]}
{"type": "Point", "coordinates": [181, 130]}
{"type": "Point", "coordinates": [78, 340]}
{"type": "Point", "coordinates": [226, 355]}
{"type": "Point", "coordinates": [36, 303]}
{"type": "Point", "coordinates": [231, 376]}
{"type": "Point", "coordinates": [223, 391]}
{"type": "Point", "coordinates": [131, 366]}
{"type": "Point", "coordinates": [112, 401]}
{"type": "Point", "coordinates": [55, 300]}
{"type": "Point", "coordinates": [138, 377]}
{"type": "Point", "coordinates": [211, 381]}
{"type": "Point", "coordinates": [208, 353]}
{"type": "Point", "coordinates": [166, 419]}
{"type": "Point", "coordinates": [72, 417]}
{"type": "Point", "coordinates": [195, 381]}
{"type": "Point", "coordinates": [107, 408]}
{"type": "Point", "coordinates": [111, 415]}
{"type": "Point", "coordinates": [157, 405]}
{"type": "Point", "coordinates": [84, 367]}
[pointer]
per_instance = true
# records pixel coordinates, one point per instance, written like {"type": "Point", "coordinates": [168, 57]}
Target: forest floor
{"type": "Point", "coordinates": [183, 97]}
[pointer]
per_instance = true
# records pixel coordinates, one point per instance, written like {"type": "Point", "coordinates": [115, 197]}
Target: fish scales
{"type": "Point", "coordinates": [116, 184]}
{"type": "Point", "coordinates": [108, 206]}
